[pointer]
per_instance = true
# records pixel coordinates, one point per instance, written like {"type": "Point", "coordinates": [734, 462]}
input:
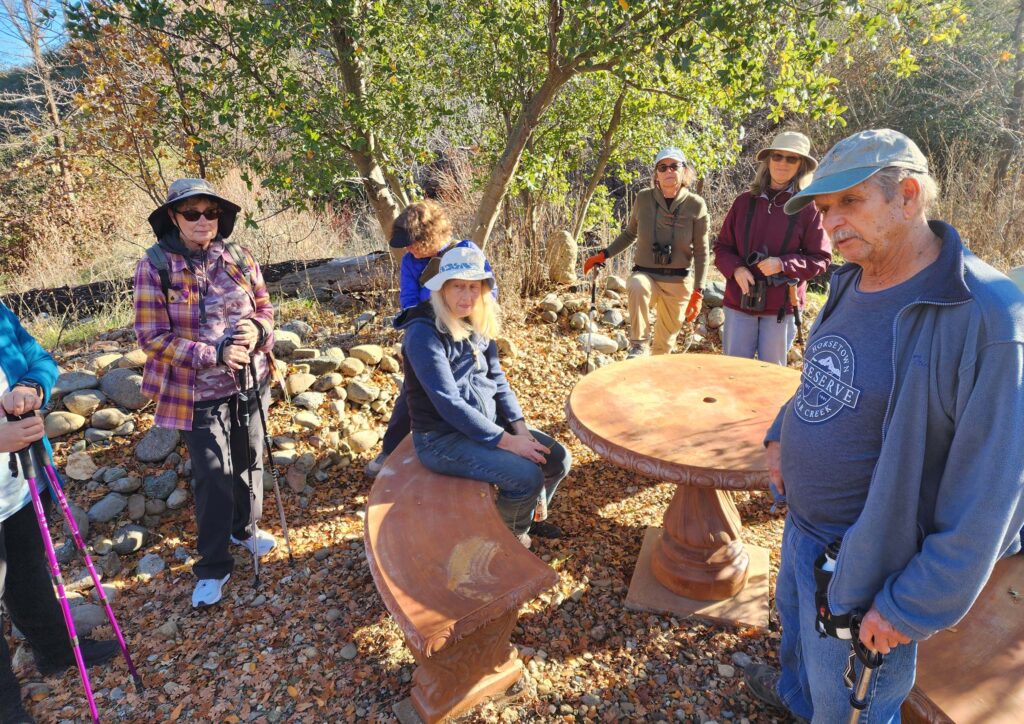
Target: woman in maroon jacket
{"type": "Point", "coordinates": [767, 257]}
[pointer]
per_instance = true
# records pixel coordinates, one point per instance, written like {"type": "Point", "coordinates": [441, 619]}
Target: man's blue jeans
{"type": "Point", "coordinates": [812, 683]}
{"type": "Point", "coordinates": [519, 481]}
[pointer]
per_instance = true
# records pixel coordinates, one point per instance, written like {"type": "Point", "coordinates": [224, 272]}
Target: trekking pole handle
{"type": "Point", "coordinates": [870, 659]}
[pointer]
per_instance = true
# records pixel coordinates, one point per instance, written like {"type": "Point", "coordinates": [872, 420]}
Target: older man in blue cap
{"type": "Point", "coordinates": [901, 446]}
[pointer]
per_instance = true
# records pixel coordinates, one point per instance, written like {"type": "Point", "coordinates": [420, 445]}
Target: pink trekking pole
{"type": "Point", "coordinates": [35, 458]}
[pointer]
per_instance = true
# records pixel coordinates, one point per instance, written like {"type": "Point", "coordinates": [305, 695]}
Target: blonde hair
{"type": "Point", "coordinates": [426, 223]}
{"type": "Point", "coordinates": [762, 176]}
{"type": "Point", "coordinates": [485, 319]}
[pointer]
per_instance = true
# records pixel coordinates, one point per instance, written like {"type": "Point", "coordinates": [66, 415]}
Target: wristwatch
{"type": "Point", "coordinates": [34, 385]}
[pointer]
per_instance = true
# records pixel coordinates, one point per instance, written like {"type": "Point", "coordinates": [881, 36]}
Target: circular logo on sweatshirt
{"type": "Point", "coordinates": [826, 383]}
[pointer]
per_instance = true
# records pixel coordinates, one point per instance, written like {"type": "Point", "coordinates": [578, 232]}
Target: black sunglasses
{"type": "Point", "coordinates": [194, 214]}
{"type": "Point", "coordinates": [663, 167]}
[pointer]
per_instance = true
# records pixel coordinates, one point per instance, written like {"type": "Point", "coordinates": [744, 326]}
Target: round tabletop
{"type": "Point", "coordinates": [693, 419]}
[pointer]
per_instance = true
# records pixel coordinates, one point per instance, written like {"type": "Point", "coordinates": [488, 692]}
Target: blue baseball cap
{"type": "Point", "coordinates": [856, 159]}
{"type": "Point", "coordinates": [671, 152]}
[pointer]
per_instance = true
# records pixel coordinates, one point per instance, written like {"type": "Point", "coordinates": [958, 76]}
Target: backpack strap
{"type": "Point", "coordinates": [789, 234]}
{"type": "Point", "coordinates": [746, 230]}
{"type": "Point", "coordinates": [158, 258]}
{"type": "Point", "coordinates": [239, 258]}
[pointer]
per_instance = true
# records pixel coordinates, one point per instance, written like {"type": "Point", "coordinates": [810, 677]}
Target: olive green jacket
{"type": "Point", "coordinates": [683, 224]}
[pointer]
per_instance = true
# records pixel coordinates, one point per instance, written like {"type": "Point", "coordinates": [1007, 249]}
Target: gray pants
{"type": "Point", "coordinates": [220, 481]}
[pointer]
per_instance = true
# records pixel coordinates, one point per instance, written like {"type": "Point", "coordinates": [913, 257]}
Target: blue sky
{"type": "Point", "coordinates": [13, 51]}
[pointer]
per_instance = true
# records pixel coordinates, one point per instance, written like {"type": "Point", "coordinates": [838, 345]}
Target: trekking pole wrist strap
{"type": "Point", "coordinates": [826, 622]}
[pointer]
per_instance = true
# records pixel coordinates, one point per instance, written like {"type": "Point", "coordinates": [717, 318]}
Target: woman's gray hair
{"type": "Point", "coordinates": [762, 176]}
{"type": "Point", "coordinates": [889, 179]}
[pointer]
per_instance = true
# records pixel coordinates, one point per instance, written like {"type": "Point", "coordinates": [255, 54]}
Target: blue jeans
{"type": "Point", "coordinates": [520, 482]}
{"type": "Point", "coordinates": [811, 684]}
{"type": "Point", "coordinates": [399, 424]}
{"type": "Point", "coordinates": [748, 334]}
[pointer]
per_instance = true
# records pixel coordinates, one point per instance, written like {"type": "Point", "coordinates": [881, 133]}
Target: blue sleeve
{"type": "Point", "coordinates": [409, 282]}
{"type": "Point", "coordinates": [774, 433]}
{"type": "Point", "coordinates": [487, 264]}
{"type": "Point", "coordinates": [39, 365]}
{"type": "Point", "coordinates": [979, 510]}
{"type": "Point", "coordinates": [504, 397]}
{"type": "Point", "coordinates": [425, 353]}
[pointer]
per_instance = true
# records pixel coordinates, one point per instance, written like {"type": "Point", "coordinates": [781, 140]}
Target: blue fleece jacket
{"type": "Point", "coordinates": [410, 291]}
{"type": "Point", "coordinates": [946, 499]}
{"type": "Point", "coordinates": [24, 359]}
{"type": "Point", "coordinates": [454, 386]}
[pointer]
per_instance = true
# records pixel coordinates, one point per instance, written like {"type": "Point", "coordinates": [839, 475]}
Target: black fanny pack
{"type": "Point", "coordinates": [664, 272]}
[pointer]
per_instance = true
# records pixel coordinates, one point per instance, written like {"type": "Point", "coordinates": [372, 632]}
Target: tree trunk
{"type": "Point", "coordinates": [503, 171]}
{"type": "Point", "coordinates": [382, 199]}
{"type": "Point", "coordinates": [602, 164]}
{"type": "Point", "coordinates": [1011, 137]}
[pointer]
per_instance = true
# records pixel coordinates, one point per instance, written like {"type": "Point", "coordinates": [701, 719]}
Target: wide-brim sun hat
{"type": "Point", "coordinates": [673, 153]}
{"type": "Point", "coordinates": [857, 158]}
{"type": "Point", "coordinates": [186, 188]}
{"type": "Point", "coordinates": [792, 141]}
{"type": "Point", "coordinates": [460, 263]}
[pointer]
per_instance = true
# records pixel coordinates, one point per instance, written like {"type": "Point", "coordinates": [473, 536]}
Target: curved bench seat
{"type": "Point", "coordinates": [453, 578]}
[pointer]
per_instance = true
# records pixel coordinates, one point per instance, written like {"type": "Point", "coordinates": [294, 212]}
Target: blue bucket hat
{"type": "Point", "coordinates": [856, 159]}
{"type": "Point", "coordinates": [186, 188]}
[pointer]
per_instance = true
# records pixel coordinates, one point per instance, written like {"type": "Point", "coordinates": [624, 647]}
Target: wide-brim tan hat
{"type": "Point", "coordinates": [791, 141]}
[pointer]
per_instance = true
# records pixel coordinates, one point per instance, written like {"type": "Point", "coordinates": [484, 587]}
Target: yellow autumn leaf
{"type": "Point", "coordinates": [623, 4]}
{"type": "Point", "coordinates": [293, 692]}
{"type": "Point", "coordinates": [1005, 56]}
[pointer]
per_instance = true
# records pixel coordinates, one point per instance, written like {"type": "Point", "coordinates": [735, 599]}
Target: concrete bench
{"type": "Point", "coordinates": [974, 672]}
{"type": "Point", "coordinates": [453, 577]}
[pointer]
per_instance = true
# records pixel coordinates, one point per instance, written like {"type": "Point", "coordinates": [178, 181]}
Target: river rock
{"type": "Point", "coordinates": [600, 343]}
{"type": "Point", "coordinates": [125, 485]}
{"type": "Point", "coordinates": [297, 327]}
{"type": "Point", "coordinates": [286, 342]}
{"type": "Point", "coordinates": [370, 354]}
{"type": "Point", "coordinates": [323, 365]}
{"type": "Point", "coordinates": [157, 444]}
{"type": "Point", "coordinates": [88, 616]}
{"type": "Point", "coordinates": [307, 419]}
{"type": "Point", "coordinates": [160, 486]}
{"type": "Point", "coordinates": [389, 364]}
{"type": "Point", "coordinates": [308, 400]}
{"type": "Point", "coordinates": [560, 257]}
{"type": "Point", "coordinates": [150, 565]}
{"type": "Point", "coordinates": [104, 361]}
{"type": "Point", "coordinates": [136, 506]}
{"type": "Point", "coordinates": [551, 303]}
{"type": "Point", "coordinates": [57, 424]}
{"type": "Point", "coordinates": [130, 538]}
{"type": "Point", "coordinates": [296, 478]}
{"type": "Point", "coordinates": [506, 347]}
{"type": "Point", "coordinates": [327, 382]}
{"type": "Point", "coordinates": [716, 318]}
{"type": "Point", "coordinates": [304, 353]}
{"type": "Point", "coordinates": [363, 440]}
{"type": "Point", "coordinates": [109, 418]}
{"type": "Point", "coordinates": [579, 320]}
{"type": "Point", "coordinates": [84, 402]}
{"type": "Point", "coordinates": [125, 429]}
{"type": "Point", "coordinates": [80, 466]}
{"type": "Point", "coordinates": [613, 318]}
{"type": "Point", "coordinates": [81, 520]}
{"type": "Point", "coordinates": [94, 435]}
{"type": "Point", "coordinates": [136, 358]}
{"type": "Point", "coordinates": [156, 507]}
{"type": "Point", "coordinates": [177, 499]}
{"type": "Point", "coordinates": [361, 393]}
{"type": "Point", "coordinates": [548, 316]}
{"type": "Point", "coordinates": [112, 474]}
{"type": "Point", "coordinates": [71, 381]}
{"type": "Point", "coordinates": [615, 283]}
{"type": "Point", "coordinates": [124, 386]}
{"type": "Point", "coordinates": [299, 382]}
{"type": "Point", "coordinates": [108, 508]}
{"type": "Point", "coordinates": [351, 366]}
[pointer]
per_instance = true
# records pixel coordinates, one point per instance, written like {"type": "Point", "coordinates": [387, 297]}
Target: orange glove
{"type": "Point", "coordinates": [598, 258]}
{"type": "Point", "coordinates": [693, 308]}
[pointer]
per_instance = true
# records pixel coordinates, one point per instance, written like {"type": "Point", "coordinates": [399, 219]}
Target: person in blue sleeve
{"type": "Point", "coordinates": [902, 443]}
{"type": "Point", "coordinates": [466, 421]}
{"type": "Point", "coordinates": [27, 373]}
{"type": "Point", "coordinates": [424, 229]}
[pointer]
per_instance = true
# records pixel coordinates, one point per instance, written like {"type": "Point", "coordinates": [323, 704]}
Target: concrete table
{"type": "Point", "coordinates": [698, 421]}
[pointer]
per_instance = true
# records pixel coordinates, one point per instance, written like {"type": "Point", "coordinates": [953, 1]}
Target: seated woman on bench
{"type": "Point", "coordinates": [466, 420]}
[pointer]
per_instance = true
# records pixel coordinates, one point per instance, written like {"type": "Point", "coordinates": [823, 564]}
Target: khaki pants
{"type": "Point", "coordinates": [669, 299]}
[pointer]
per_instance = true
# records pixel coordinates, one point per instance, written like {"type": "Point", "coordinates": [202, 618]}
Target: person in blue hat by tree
{"type": "Point", "coordinates": [669, 225]}
{"type": "Point", "coordinates": [900, 451]}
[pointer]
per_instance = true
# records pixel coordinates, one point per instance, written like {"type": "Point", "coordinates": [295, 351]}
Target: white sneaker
{"type": "Point", "coordinates": [208, 591]}
{"type": "Point", "coordinates": [374, 466]}
{"type": "Point", "coordinates": [264, 542]}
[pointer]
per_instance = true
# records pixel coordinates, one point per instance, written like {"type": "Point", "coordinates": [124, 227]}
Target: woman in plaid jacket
{"type": "Point", "coordinates": [202, 313]}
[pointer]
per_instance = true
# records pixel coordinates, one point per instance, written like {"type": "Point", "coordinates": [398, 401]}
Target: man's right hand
{"type": "Point", "coordinates": [773, 453]}
{"type": "Point", "coordinates": [598, 258]}
{"type": "Point", "coordinates": [743, 277]}
{"type": "Point", "coordinates": [15, 436]}
{"type": "Point", "coordinates": [525, 446]}
{"type": "Point", "coordinates": [235, 357]}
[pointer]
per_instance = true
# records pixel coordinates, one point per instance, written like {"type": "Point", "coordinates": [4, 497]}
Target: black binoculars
{"type": "Point", "coordinates": [662, 253]}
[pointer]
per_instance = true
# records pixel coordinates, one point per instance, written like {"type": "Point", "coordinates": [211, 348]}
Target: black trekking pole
{"type": "Point", "coordinates": [244, 420]}
{"type": "Point", "coordinates": [273, 468]}
{"type": "Point", "coordinates": [591, 314]}
{"type": "Point", "coordinates": [870, 660]}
